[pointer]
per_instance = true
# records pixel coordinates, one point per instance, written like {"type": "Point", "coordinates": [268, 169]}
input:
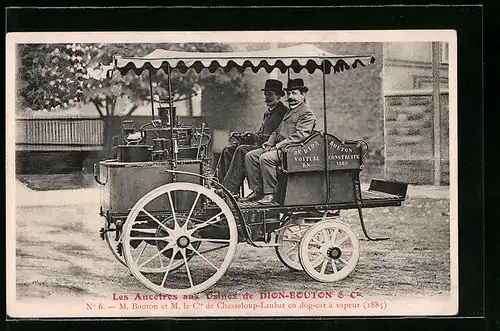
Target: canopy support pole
{"type": "Point", "coordinates": [151, 92]}
{"type": "Point", "coordinates": [173, 138]}
{"type": "Point", "coordinates": [325, 128]}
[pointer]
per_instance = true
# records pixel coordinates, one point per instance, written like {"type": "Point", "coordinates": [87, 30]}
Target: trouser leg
{"type": "Point", "coordinates": [225, 160]}
{"type": "Point", "coordinates": [252, 166]}
{"type": "Point", "coordinates": [268, 162]}
{"type": "Point", "coordinates": [236, 173]}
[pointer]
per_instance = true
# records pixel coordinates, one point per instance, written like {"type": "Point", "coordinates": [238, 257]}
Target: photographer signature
{"type": "Point", "coordinates": [417, 284]}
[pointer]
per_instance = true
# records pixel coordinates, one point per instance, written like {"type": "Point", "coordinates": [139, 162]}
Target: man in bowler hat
{"type": "Point", "coordinates": [298, 124]}
{"type": "Point", "coordinates": [232, 165]}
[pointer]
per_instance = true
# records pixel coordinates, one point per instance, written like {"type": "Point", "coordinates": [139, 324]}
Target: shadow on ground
{"type": "Point", "coordinates": [51, 182]}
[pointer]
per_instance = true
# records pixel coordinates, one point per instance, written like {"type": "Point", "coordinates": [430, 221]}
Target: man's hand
{"type": "Point", "coordinates": [268, 148]}
{"type": "Point", "coordinates": [279, 145]}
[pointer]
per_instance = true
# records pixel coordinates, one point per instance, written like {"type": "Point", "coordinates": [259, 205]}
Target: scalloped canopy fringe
{"type": "Point", "coordinates": [296, 58]}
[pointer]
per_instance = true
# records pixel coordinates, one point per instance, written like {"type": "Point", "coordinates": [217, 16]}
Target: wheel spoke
{"type": "Point", "coordinates": [288, 251]}
{"type": "Point", "coordinates": [323, 267]}
{"type": "Point", "coordinates": [314, 250]}
{"type": "Point", "coordinates": [183, 252]}
{"type": "Point", "coordinates": [317, 261]}
{"type": "Point", "coordinates": [212, 220]}
{"type": "Point", "coordinates": [161, 261]}
{"type": "Point", "coordinates": [315, 241]}
{"type": "Point", "coordinates": [343, 261]}
{"type": "Point", "coordinates": [211, 240]}
{"type": "Point", "coordinates": [144, 230]}
{"type": "Point", "coordinates": [157, 221]}
{"type": "Point", "coordinates": [204, 258]}
{"type": "Point", "coordinates": [150, 238]}
{"type": "Point", "coordinates": [347, 249]}
{"type": "Point", "coordinates": [174, 252]}
{"type": "Point", "coordinates": [342, 241]}
{"type": "Point", "coordinates": [169, 246]}
{"type": "Point", "coordinates": [334, 236]}
{"type": "Point", "coordinates": [140, 253]}
{"type": "Point", "coordinates": [173, 210]}
{"type": "Point", "coordinates": [291, 240]}
{"type": "Point", "coordinates": [334, 266]}
{"type": "Point", "coordinates": [325, 235]}
{"type": "Point", "coordinates": [192, 209]}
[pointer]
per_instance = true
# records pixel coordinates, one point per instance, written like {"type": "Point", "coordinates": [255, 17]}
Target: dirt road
{"type": "Point", "coordinates": [59, 253]}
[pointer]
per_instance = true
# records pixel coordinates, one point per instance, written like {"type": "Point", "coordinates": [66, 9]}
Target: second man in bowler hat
{"type": "Point", "coordinates": [233, 173]}
{"type": "Point", "coordinates": [298, 124]}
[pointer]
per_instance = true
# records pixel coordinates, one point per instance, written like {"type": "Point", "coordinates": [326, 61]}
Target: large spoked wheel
{"type": "Point", "coordinates": [329, 251]}
{"type": "Point", "coordinates": [288, 238]}
{"type": "Point", "coordinates": [114, 245]}
{"type": "Point", "coordinates": [163, 233]}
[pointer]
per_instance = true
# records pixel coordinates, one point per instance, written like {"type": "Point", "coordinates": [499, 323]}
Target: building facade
{"type": "Point", "coordinates": [416, 130]}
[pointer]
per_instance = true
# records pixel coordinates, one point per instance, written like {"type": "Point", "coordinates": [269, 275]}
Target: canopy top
{"type": "Point", "coordinates": [295, 57]}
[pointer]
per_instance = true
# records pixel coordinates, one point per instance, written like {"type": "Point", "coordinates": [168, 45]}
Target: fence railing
{"type": "Point", "coordinates": [59, 133]}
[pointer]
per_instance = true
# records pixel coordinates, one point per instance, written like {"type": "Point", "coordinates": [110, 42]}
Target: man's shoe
{"type": "Point", "coordinates": [267, 199]}
{"type": "Point", "coordinates": [254, 196]}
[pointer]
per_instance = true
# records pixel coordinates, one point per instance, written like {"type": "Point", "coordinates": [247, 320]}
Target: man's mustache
{"type": "Point", "coordinates": [291, 99]}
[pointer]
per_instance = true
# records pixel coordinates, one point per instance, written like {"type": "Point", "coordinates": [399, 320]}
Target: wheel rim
{"type": "Point", "coordinates": [173, 242]}
{"type": "Point", "coordinates": [329, 251]}
{"type": "Point", "coordinates": [110, 237]}
{"type": "Point", "coordinates": [288, 239]}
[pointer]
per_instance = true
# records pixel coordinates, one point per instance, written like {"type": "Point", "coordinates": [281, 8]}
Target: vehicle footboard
{"type": "Point", "coordinates": [389, 187]}
{"type": "Point", "coordinates": [382, 193]}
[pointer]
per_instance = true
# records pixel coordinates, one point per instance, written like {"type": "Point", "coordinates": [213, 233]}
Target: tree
{"type": "Point", "coordinates": [54, 76]}
{"type": "Point", "coordinates": [47, 77]}
{"type": "Point", "coordinates": [58, 75]}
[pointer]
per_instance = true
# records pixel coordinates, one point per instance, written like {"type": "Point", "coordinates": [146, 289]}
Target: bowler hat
{"type": "Point", "coordinates": [274, 85]}
{"type": "Point", "coordinates": [296, 84]}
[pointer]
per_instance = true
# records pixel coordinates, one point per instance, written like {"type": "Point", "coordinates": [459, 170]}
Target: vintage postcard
{"type": "Point", "coordinates": [232, 174]}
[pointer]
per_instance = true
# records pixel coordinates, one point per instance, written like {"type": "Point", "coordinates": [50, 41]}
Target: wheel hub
{"type": "Point", "coordinates": [178, 235]}
{"type": "Point", "coordinates": [183, 242]}
{"type": "Point", "coordinates": [334, 253]}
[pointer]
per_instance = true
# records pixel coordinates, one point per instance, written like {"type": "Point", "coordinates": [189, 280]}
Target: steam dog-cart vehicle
{"type": "Point", "coordinates": [165, 221]}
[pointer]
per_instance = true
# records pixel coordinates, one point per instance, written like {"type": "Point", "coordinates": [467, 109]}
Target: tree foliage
{"type": "Point", "coordinates": [54, 76]}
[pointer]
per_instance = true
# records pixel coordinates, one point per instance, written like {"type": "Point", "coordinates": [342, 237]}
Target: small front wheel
{"type": "Point", "coordinates": [288, 238]}
{"type": "Point", "coordinates": [329, 251]}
